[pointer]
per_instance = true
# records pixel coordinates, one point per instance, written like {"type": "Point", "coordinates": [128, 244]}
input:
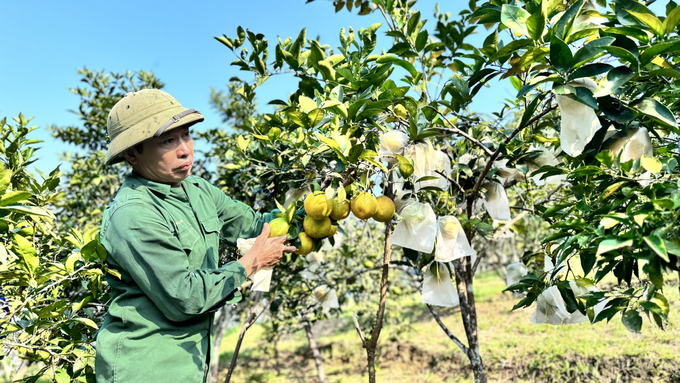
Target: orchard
{"type": "Point", "coordinates": [386, 181]}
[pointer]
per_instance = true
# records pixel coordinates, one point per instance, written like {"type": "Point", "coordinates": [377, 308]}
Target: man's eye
{"type": "Point", "coordinates": [169, 140]}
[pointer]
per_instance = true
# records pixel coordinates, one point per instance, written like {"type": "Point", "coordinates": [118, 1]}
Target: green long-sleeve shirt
{"type": "Point", "coordinates": [164, 242]}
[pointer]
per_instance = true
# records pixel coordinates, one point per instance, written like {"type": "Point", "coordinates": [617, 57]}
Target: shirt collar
{"type": "Point", "coordinates": [159, 188]}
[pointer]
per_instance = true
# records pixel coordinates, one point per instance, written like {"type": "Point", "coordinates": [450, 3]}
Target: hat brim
{"type": "Point", "coordinates": [145, 130]}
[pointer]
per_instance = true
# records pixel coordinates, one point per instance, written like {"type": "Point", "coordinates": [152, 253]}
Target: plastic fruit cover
{"type": "Point", "coordinates": [578, 121]}
{"type": "Point", "coordinates": [452, 243]}
{"type": "Point", "coordinates": [438, 290]}
{"type": "Point", "coordinates": [418, 228]}
{"type": "Point", "coordinates": [262, 278]}
{"type": "Point", "coordinates": [442, 163]}
{"type": "Point", "coordinates": [514, 273]}
{"type": "Point", "coordinates": [391, 143]}
{"type": "Point", "coordinates": [633, 146]}
{"type": "Point", "coordinates": [327, 297]}
{"type": "Point", "coordinates": [497, 203]}
{"type": "Point", "coordinates": [546, 158]}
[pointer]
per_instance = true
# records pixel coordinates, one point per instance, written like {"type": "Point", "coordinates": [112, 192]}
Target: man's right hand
{"type": "Point", "coordinates": [266, 252]}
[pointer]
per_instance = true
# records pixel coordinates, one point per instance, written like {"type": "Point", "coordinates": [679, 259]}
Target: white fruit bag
{"type": "Point", "coordinates": [438, 290]}
{"type": "Point", "coordinates": [452, 243]}
{"type": "Point", "coordinates": [262, 278]}
{"type": "Point", "coordinates": [418, 228]}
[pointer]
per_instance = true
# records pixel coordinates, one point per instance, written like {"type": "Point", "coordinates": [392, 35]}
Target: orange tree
{"type": "Point", "coordinates": [594, 118]}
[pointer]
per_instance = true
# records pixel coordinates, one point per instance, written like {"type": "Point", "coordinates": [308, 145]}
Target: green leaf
{"type": "Point", "coordinates": [651, 164]}
{"type": "Point", "coordinates": [650, 21]}
{"type": "Point", "coordinates": [656, 110]}
{"type": "Point", "coordinates": [617, 77]}
{"type": "Point", "coordinates": [567, 20]}
{"type": "Point", "coordinates": [315, 117]}
{"type": "Point", "coordinates": [592, 49]}
{"type": "Point", "coordinates": [13, 197]}
{"type": "Point", "coordinates": [87, 322]}
{"type": "Point", "coordinates": [622, 54]}
{"type": "Point", "coordinates": [529, 111]}
{"type": "Point", "coordinates": [405, 166]}
{"type": "Point", "coordinates": [333, 145]}
{"type": "Point", "coordinates": [389, 58]}
{"type": "Point", "coordinates": [632, 320]}
{"type": "Point", "coordinates": [585, 171]}
{"type": "Point", "coordinates": [608, 245]}
{"type": "Point", "coordinates": [623, 7]}
{"type": "Point", "coordinates": [590, 70]}
{"type": "Point", "coordinates": [61, 376]}
{"type": "Point", "coordinates": [5, 177]}
{"type": "Point", "coordinates": [672, 20]}
{"type": "Point", "coordinates": [515, 18]}
{"type": "Point", "coordinates": [560, 55]}
{"type": "Point", "coordinates": [661, 301]}
{"type": "Point", "coordinates": [657, 49]}
{"type": "Point", "coordinates": [655, 243]}
{"type": "Point", "coordinates": [326, 70]}
{"type": "Point", "coordinates": [536, 25]}
{"type": "Point", "coordinates": [511, 48]}
{"type": "Point", "coordinates": [24, 249]}
{"type": "Point", "coordinates": [369, 156]}
{"type": "Point", "coordinates": [606, 157]}
{"type": "Point", "coordinates": [242, 143]}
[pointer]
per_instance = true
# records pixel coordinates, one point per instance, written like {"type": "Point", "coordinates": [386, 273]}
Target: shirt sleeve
{"type": "Point", "coordinates": [146, 247]}
{"type": "Point", "coordinates": [240, 220]}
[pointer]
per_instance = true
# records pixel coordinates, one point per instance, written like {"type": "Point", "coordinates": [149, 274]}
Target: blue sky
{"type": "Point", "coordinates": [44, 43]}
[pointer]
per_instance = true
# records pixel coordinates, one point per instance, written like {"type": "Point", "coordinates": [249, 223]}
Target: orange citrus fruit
{"type": "Point", "coordinates": [364, 205]}
{"type": "Point", "coordinates": [340, 210]}
{"type": "Point", "coordinates": [317, 206]}
{"type": "Point", "coordinates": [279, 227]}
{"type": "Point", "coordinates": [306, 244]}
{"type": "Point", "coordinates": [385, 210]}
{"type": "Point", "coordinates": [317, 228]}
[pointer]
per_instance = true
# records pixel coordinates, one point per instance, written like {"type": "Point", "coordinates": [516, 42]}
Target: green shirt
{"type": "Point", "coordinates": [164, 242]}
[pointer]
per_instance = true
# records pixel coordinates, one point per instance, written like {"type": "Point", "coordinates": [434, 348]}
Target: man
{"type": "Point", "coordinates": [161, 233]}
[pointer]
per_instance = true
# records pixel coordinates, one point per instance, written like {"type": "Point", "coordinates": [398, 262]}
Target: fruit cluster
{"type": "Point", "coordinates": [323, 215]}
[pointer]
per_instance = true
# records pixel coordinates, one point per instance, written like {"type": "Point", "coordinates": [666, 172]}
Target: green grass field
{"type": "Point", "coordinates": [513, 348]}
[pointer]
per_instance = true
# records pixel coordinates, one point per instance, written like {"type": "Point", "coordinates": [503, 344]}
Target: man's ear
{"type": "Point", "coordinates": [131, 156]}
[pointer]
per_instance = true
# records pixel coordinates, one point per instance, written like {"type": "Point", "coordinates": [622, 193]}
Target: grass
{"type": "Point", "coordinates": [513, 348]}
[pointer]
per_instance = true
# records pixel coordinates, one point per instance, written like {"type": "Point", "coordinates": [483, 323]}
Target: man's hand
{"type": "Point", "coordinates": [266, 252]}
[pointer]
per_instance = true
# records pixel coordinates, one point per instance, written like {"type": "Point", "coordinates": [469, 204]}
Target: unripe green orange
{"type": "Point", "coordinates": [385, 210]}
{"type": "Point", "coordinates": [317, 206]}
{"type": "Point", "coordinates": [317, 228]}
{"type": "Point", "coordinates": [340, 210]}
{"type": "Point", "coordinates": [364, 205]}
{"type": "Point", "coordinates": [279, 227]}
{"type": "Point", "coordinates": [333, 231]}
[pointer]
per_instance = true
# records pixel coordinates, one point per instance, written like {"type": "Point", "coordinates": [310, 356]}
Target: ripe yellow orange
{"type": "Point", "coordinates": [306, 244]}
{"type": "Point", "coordinates": [364, 205]}
{"type": "Point", "coordinates": [317, 206]}
{"type": "Point", "coordinates": [450, 227]}
{"type": "Point", "coordinates": [385, 210]}
{"type": "Point", "coordinates": [317, 228]}
{"type": "Point", "coordinates": [279, 227]}
{"type": "Point", "coordinates": [340, 210]}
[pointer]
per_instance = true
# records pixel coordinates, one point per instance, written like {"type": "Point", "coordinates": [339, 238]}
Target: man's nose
{"type": "Point", "coordinates": [184, 148]}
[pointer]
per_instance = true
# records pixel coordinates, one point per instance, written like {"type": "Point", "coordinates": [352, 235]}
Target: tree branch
{"type": "Point", "coordinates": [459, 132]}
{"type": "Point", "coordinates": [447, 331]}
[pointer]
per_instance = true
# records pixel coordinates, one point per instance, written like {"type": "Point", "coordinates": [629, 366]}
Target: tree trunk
{"type": "Point", "coordinates": [372, 344]}
{"type": "Point", "coordinates": [315, 350]}
{"type": "Point", "coordinates": [219, 328]}
{"type": "Point", "coordinates": [246, 325]}
{"type": "Point", "coordinates": [468, 313]}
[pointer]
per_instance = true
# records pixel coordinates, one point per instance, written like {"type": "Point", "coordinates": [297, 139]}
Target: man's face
{"type": "Point", "coordinates": [166, 159]}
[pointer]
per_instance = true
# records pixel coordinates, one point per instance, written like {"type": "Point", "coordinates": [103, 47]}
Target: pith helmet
{"type": "Point", "coordinates": [141, 115]}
